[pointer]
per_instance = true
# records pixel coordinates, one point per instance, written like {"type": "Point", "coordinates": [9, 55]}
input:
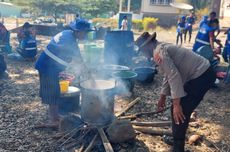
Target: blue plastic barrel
{"type": "Point", "coordinates": [119, 46]}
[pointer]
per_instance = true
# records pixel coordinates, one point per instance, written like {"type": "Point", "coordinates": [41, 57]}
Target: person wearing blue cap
{"type": "Point", "coordinates": [204, 20]}
{"type": "Point", "coordinates": [62, 48]}
{"type": "Point", "coordinates": [190, 21]}
{"type": "Point", "coordinates": [180, 29]}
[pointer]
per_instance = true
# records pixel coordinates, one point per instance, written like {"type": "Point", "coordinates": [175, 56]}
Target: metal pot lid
{"type": "Point", "coordinates": [115, 67]}
{"type": "Point", "coordinates": [98, 84]}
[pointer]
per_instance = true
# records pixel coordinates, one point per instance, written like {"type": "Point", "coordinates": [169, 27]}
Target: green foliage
{"type": "Point", "coordinates": [137, 24]}
{"type": "Point", "coordinates": [87, 8]}
{"type": "Point", "coordinates": [200, 4]}
{"type": "Point", "coordinates": [95, 8]}
{"type": "Point", "coordinates": [105, 22]}
{"type": "Point", "coordinates": [202, 12]}
{"type": "Point", "coordinates": [149, 23]}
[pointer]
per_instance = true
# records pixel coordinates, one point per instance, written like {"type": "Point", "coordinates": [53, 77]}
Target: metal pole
{"type": "Point", "coordinates": [129, 3]}
{"type": "Point", "coordinates": [120, 6]}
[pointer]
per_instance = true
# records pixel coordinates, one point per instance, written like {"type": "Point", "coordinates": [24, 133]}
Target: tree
{"type": "Point", "coordinates": [200, 4]}
{"type": "Point", "coordinates": [55, 7]}
{"type": "Point", "coordinates": [98, 7]}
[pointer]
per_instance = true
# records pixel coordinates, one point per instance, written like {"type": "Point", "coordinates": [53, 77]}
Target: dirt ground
{"type": "Point", "coordinates": [21, 109]}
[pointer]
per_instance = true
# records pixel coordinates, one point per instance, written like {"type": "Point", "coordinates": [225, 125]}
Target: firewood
{"type": "Point", "coordinates": [210, 143]}
{"type": "Point", "coordinates": [91, 144]}
{"type": "Point", "coordinates": [153, 131]}
{"type": "Point", "coordinates": [130, 105]}
{"type": "Point", "coordinates": [106, 143]}
{"type": "Point", "coordinates": [136, 115]}
{"type": "Point", "coordinates": [152, 124]}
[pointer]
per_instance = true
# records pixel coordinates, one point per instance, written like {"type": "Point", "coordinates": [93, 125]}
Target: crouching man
{"type": "Point", "coordinates": [187, 78]}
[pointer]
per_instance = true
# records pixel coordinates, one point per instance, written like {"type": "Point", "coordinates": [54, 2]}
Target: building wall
{"type": "Point", "coordinates": [225, 9]}
{"type": "Point", "coordinates": [166, 14]}
{"type": "Point", "coordinates": [7, 10]}
{"type": "Point", "coordinates": [147, 7]}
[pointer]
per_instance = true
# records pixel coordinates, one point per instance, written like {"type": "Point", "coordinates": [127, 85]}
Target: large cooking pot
{"type": "Point", "coordinates": [145, 74]}
{"type": "Point", "coordinates": [97, 104]}
{"type": "Point", "coordinates": [124, 81]}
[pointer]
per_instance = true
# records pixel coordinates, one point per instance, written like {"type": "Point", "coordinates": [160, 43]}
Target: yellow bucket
{"type": "Point", "coordinates": [64, 85]}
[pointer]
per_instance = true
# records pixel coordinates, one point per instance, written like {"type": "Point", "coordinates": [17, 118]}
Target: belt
{"type": "Point", "coordinates": [55, 58]}
{"type": "Point", "coordinates": [203, 42]}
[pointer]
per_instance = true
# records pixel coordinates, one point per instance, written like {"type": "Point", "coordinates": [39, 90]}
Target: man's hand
{"type": "Point", "coordinates": [178, 115]}
{"type": "Point", "coordinates": [161, 103]}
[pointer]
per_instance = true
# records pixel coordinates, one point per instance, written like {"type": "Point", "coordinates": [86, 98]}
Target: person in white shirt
{"type": "Point", "coordinates": [124, 23]}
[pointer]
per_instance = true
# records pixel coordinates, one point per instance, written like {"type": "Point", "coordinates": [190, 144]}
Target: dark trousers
{"type": "Point", "coordinates": [179, 35]}
{"type": "Point", "coordinates": [189, 31]}
{"type": "Point", "coordinates": [195, 90]}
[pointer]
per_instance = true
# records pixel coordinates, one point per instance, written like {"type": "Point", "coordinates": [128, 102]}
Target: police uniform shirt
{"type": "Point", "coordinates": [178, 65]}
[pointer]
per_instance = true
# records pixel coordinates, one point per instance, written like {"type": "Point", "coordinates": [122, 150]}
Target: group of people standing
{"type": "Point", "coordinates": [184, 27]}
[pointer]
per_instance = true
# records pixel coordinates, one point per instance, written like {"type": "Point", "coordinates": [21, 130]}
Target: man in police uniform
{"type": "Point", "coordinates": [62, 48]}
{"type": "Point", "coordinates": [187, 78]}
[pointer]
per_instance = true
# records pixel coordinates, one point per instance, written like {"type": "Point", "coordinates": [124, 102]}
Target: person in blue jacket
{"type": "Point", "coordinates": [180, 29]}
{"type": "Point", "coordinates": [205, 35]}
{"type": "Point", "coordinates": [226, 50]}
{"type": "Point", "coordinates": [62, 48]}
{"type": "Point", "coordinates": [190, 21]}
{"type": "Point", "coordinates": [5, 39]}
{"type": "Point", "coordinates": [28, 47]}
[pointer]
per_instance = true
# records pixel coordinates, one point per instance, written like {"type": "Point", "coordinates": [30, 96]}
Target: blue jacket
{"type": "Point", "coordinates": [228, 41]}
{"type": "Point", "coordinates": [202, 37]}
{"type": "Point", "coordinates": [28, 47]}
{"type": "Point", "coordinates": [64, 46]}
{"type": "Point", "coordinates": [180, 27]}
{"type": "Point", "coordinates": [189, 22]}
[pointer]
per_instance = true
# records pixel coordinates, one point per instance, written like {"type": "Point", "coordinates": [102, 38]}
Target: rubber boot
{"type": "Point", "coordinates": [178, 146]}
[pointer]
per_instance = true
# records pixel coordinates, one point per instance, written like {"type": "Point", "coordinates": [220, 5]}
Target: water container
{"type": "Point", "coordinates": [119, 46]}
{"type": "Point", "coordinates": [93, 53]}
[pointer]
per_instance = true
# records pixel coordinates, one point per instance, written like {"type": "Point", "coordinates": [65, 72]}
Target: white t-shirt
{"type": "Point", "coordinates": [124, 24]}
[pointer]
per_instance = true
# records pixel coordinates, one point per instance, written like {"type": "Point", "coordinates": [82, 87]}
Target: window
{"type": "Point", "coordinates": [160, 2]}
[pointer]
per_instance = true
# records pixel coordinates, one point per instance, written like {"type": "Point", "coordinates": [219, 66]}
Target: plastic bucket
{"type": "Point", "coordinates": [145, 74]}
{"type": "Point", "coordinates": [124, 81]}
{"type": "Point", "coordinates": [64, 85]}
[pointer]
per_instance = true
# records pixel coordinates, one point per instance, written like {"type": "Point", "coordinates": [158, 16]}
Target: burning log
{"type": "Point", "coordinates": [106, 143]}
{"type": "Point", "coordinates": [153, 131]}
{"type": "Point", "coordinates": [131, 104]}
{"type": "Point", "coordinates": [152, 124]}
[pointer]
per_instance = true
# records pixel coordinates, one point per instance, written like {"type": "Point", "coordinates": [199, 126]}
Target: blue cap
{"type": "Point", "coordinates": [183, 17]}
{"type": "Point", "coordinates": [80, 25]}
{"type": "Point", "coordinates": [205, 17]}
